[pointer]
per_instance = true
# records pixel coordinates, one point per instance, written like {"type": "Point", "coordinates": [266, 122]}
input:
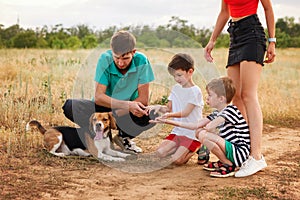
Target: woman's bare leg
{"type": "Point", "coordinates": [246, 78]}
{"type": "Point", "coordinates": [234, 73]}
{"type": "Point", "coordinates": [250, 75]}
{"type": "Point", "coordinates": [249, 79]}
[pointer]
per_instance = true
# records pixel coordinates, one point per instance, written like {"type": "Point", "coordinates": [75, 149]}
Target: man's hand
{"type": "Point", "coordinates": [137, 108]}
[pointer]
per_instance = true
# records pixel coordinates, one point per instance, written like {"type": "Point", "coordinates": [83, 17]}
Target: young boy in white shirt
{"type": "Point", "coordinates": [185, 104]}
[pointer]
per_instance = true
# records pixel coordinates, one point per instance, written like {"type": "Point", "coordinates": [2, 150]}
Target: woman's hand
{"type": "Point", "coordinates": [270, 55]}
{"type": "Point", "coordinates": [207, 51]}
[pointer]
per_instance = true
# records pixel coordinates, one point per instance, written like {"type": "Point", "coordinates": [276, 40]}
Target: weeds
{"type": "Point", "coordinates": [228, 193]}
{"type": "Point", "coordinates": [34, 84]}
{"type": "Point", "coordinates": [38, 82]}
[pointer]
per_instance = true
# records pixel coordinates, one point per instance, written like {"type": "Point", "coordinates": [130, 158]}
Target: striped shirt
{"type": "Point", "coordinates": [236, 131]}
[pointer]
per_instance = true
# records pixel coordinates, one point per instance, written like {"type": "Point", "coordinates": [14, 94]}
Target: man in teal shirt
{"type": "Point", "coordinates": [122, 86]}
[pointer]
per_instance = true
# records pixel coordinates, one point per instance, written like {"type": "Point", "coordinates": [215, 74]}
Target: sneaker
{"type": "Point", "coordinates": [130, 145]}
{"type": "Point", "coordinates": [251, 166]}
{"type": "Point", "coordinates": [127, 144]}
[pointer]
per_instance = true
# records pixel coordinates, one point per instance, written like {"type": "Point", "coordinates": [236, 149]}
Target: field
{"type": "Point", "coordinates": [35, 83]}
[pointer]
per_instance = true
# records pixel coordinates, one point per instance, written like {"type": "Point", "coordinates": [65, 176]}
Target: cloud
{"type": "Point", "coordinates": [103, 13]}
{"type": "Point", "coordinates": [100, 14]}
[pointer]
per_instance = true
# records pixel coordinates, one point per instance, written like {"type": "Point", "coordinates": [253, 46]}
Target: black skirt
{"type": "Point", "coordinates": [247, 41]}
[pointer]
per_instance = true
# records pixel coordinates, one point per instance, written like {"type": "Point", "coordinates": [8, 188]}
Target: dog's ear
{"type": "Point", "coordinates": [113, 124]}
{"type": "Point", "coordinates": [91, 123]}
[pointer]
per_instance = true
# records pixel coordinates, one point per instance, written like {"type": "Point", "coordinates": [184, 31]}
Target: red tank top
{"type": "Point", "coordinates": [241, 8]}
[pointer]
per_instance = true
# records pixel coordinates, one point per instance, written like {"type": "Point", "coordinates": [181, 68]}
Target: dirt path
{"type": "Point", "coordinates": [280, 180]}
{"type": "Point", "coordinates": [281, 150]}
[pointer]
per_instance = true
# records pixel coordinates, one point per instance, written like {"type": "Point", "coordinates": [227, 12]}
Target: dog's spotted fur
{"type": "Point", "coordinates": [96, 141]}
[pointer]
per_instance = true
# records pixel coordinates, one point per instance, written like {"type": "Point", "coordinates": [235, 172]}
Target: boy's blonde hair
{"type": "Point", "coordinates": [181, 61]}
{"type": "Point", "coordinates": [122, 42]}
{"type": "Point", "coordinates": [222, 87]}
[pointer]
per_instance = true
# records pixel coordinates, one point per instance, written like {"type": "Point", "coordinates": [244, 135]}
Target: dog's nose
{"type": "Point", "coordinates": [98, 126]}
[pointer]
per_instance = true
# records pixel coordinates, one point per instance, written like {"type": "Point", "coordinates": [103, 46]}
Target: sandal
{"type": "Point", "coordinates": [212, 166]}
{"type": "Point", "coordinates": [203, 155]}
{"type": "Point", "coordinates": [224, 171]}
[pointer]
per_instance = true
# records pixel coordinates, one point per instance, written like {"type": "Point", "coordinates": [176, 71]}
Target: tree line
{"type": "Point", "coordinates": [176, 33]}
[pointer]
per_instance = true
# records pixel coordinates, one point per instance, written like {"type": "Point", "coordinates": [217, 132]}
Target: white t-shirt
{"type": "Point", "coordinates": [180, 98]}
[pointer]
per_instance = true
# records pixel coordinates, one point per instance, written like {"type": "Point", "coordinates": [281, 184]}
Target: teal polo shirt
{"type": "Point", "coordinates": [119, 86]}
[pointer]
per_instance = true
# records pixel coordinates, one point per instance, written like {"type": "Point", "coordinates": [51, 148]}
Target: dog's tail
{"type": "Point", "coordinates": [36, 124]}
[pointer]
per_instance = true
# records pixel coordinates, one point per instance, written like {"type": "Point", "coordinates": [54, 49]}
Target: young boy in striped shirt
{"type": "Point", "coordinates": [224, 132]}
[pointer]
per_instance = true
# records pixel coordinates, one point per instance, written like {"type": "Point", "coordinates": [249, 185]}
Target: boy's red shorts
{"type": "Point", "coordinates": [192, 145]}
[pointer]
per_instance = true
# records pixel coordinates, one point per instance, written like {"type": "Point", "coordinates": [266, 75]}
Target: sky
{"type": "Point", "coordinates": [101, 14]}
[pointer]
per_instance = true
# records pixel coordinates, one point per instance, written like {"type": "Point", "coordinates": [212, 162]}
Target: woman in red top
{"type": "Point", "coordinates": [245, 60]}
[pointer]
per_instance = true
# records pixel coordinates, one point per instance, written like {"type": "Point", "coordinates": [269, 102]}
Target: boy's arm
{"type": "Point", "coordinates": [160, 108]}
{"type": "Point", "coordinates": [166, 108]}
{"type": "Point", "coordinates": [212, 125]}
{"type": "Point", "coordinates": [184, 113]}
{"type": "Point", "coordinates": [188, 125]}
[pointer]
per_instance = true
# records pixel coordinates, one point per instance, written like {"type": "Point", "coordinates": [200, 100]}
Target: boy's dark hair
{"type": "Point", "coordinates": [181, 61]}
{"type": "Point", "coordinates": [122, 42]}
{"type": "Point", "coordinates": [222, 87]}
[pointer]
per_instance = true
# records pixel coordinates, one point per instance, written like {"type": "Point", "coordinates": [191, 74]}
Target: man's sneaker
{"type": "Point", "coordinates": [130, 145]}
{"type": "Point", "coordinates": [251, 166]}
{"type": "Point", "coordinates": [127, 144]}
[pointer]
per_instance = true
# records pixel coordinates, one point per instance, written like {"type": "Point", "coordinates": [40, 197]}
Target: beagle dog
{"type": "Point", "coordinates": [101, 124]}
{"type": "Point", "coordinates": [63, 140]}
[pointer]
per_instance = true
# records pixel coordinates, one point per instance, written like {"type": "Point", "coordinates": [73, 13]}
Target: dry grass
{"type": "Point", "coordinates": [35, 83]}
{"type": "Point", "coordinates": [279, 87]}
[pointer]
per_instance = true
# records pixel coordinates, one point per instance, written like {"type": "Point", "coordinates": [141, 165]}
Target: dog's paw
{"type": "Point", "coordinates": [58, 154]}
{"type": "Point", "coordinates": [111, 158]}
{"type": "Point", "coordinates": [132, 157]}
{"type": "Point", "coordinates": [119, 159]}
{"type": "Point", "coordinates": [123, 155]}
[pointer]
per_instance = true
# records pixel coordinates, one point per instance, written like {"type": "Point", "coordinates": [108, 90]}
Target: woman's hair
{"type": "Point", "coordinates": [222, 87]}
{"type": "Point", "coordinates": [122, 42]}
{"type": "Point", "coordinates": [181, 61]}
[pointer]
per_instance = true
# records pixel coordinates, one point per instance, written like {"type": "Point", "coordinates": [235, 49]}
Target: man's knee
{"type": "Point", "coordinates": [67, 105]}
{"type": "Point", "coordinates": [67, 108]}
